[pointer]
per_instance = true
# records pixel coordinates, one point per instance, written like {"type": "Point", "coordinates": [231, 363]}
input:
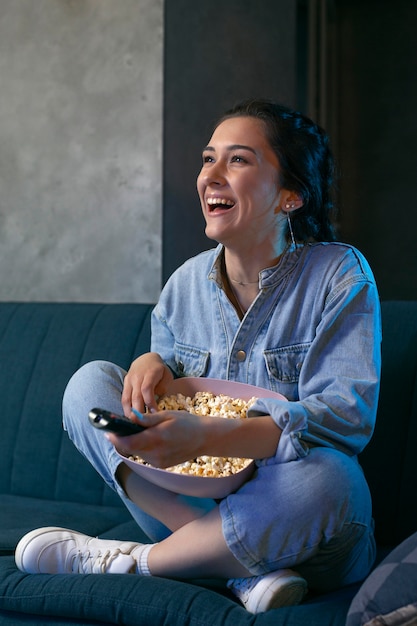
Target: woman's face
{"type": "Point", "coordinates": [239, 184]}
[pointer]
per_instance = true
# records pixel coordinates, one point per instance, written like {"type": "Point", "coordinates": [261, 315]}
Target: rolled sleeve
{"type": "Point", "coordinates": [291, 418]}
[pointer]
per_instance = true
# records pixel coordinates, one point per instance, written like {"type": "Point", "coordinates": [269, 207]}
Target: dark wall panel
{"type": "Point", "coordinates": [377, 131]}
{"type": "Point", "coordinates": [219, 52]}
{"type": "Point", "coordinates": [216, 53]}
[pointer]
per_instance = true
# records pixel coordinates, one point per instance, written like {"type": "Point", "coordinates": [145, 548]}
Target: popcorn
{"type": "Point", "coordinates": [206, 403]}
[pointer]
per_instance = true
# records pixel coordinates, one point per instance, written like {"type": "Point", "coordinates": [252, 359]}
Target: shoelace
{"type": "Point", "coordinates": [93, 562]}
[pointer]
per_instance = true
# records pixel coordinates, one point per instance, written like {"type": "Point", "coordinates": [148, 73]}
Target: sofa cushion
{"type": "Point", "coordinates": [389, 595]}
{"type": "Point", "coordinates": [19, 515]}
{"type": "Point", "coordinates": [9, 618]}
{"type": "Point", "coordinates": [144, 601]}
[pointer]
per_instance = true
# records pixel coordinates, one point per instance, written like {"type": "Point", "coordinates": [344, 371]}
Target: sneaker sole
{"type": "Point", "coordinates": [28, 538]}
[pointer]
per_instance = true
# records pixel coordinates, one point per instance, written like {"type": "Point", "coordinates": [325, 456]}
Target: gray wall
{"type": "Point", "coordinates": [80, 149]}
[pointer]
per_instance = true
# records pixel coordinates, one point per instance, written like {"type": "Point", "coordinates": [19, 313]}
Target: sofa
{"type": "Point", "coordinates": [45, 481]}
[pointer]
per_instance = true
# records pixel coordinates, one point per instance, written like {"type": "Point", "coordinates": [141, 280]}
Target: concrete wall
{"type": "Point", "coordinates": [80, 149]}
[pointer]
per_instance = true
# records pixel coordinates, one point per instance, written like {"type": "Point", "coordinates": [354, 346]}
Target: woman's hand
{"type": "Point", "coordinates": [171, 437]}
{"type": "Point", "coordinates": [148, 376]}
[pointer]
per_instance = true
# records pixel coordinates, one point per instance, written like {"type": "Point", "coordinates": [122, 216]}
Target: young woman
{"type": "Point", "coordinates": [278, 304]}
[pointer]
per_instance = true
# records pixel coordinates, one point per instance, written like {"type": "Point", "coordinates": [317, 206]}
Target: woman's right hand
{"type": "Point", "coordinates": [147, 376]}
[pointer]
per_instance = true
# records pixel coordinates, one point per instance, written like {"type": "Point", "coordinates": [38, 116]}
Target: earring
{"type": "Point", "coordinates": [290, 229]}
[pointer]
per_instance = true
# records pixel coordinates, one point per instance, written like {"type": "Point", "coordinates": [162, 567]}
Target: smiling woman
{"type": "Point", "coordinates": [241, 197]}
{"type": "Point", "coordinates": [272, 306]}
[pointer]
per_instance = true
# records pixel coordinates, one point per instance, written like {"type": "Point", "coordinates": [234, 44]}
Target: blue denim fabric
{"type": "Point", "coordinates": [313, 514]}
{"type": "Point", "coordinates": [312, 334]}
{"type": "Point", "coordinates": [100, 383]}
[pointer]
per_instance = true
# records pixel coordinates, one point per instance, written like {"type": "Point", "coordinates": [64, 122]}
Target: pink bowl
{"type": "Point", "coordinates": [202, 486]}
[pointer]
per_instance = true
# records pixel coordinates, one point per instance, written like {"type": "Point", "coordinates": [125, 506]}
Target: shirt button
{"type": "Point", "coordinates": [241, 355]}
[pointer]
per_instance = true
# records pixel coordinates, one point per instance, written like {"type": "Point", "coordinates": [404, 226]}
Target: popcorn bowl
{"type": "Point", "coordinates": [203, 486]}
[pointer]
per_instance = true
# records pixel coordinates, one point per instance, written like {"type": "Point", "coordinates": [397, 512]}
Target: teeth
{"type": "Point", "coordinates": [223, 201]}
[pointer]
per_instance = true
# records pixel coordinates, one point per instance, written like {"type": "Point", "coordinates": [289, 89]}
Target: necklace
{"type": "Point", "coordinates": [235, 298]}
{"type": "Point", "coordinates": [236, 302]}
{"type": "Point", "coordinates": [240, 282]}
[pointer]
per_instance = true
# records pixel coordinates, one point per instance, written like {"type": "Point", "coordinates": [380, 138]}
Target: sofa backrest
{"type": "Point", "coordinates": [390, 460]}
{"type": "Point", "coordinates": [41, 346]}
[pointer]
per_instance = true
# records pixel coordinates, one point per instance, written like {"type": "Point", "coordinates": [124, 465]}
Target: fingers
{"type": "Point", "coordinates": [127, 397]}
{"type": "Point", "coordinates": [147, 377]}
{"type": "Point", "coordinates": [142, 442]}
{"type": "Point", "coordinates": [145, 395]}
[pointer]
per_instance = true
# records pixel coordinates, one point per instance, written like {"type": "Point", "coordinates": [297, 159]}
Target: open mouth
{"type": "Point", "coordinates": [219, 203]}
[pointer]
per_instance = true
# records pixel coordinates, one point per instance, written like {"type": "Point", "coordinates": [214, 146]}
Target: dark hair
{"type": "Point", "coordinates": [307, 165]}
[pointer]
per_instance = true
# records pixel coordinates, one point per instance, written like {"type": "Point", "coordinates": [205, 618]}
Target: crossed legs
{"type": "Point", "coordinates": [196, 546]}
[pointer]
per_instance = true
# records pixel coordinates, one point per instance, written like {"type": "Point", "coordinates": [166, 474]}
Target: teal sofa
{"type": "Point", "coordinates": [45, 481]}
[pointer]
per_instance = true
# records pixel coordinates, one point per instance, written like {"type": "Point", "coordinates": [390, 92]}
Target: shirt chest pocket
{"type": "Point", "coordinates": [284, 364]}
{"type": "Point", "coordinates": [190, 361]}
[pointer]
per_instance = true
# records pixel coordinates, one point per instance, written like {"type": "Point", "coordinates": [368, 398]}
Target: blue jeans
{"type": "Point", "coordinates": [313, 514]}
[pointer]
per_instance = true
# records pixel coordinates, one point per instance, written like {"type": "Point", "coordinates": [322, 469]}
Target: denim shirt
{"type": "Point", "coordinates": [313, 334]}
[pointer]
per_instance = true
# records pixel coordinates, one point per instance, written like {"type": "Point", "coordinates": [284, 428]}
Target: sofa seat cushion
{"type": "Point", "coordinates": [20, 514]}
{"type": "Point", "coordinates": [389, 594]}
{"type": "Point", "coordinates": [141, 601]}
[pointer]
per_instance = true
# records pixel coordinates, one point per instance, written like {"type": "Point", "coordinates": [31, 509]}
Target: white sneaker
{"type": "Point", "coordinates": [53, 550]}
{"type": "Point", "coordinates": [271, 591]}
